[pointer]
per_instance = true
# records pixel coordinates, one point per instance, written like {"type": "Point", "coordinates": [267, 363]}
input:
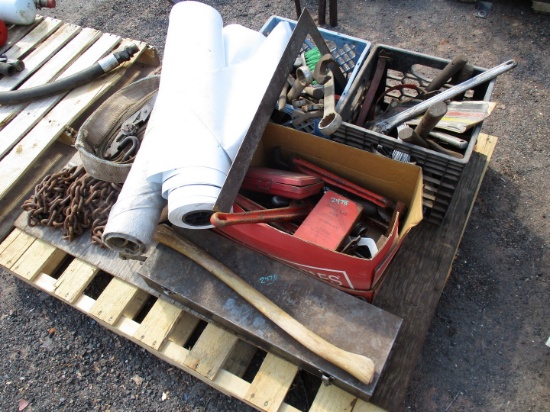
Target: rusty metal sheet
{"type": "Point", "coordinates": [346, 321]}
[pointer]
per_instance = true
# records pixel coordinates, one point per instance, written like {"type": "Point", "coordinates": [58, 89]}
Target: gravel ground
{"type": "Point", "coordinates": [486, 348]}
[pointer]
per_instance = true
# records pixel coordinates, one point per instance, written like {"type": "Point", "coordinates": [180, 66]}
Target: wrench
{"type": "Point", "coordinates": [322, 75]}
{"type": "Point", "coordinates": [386, 125]}
{"type": "Point", "coordinates": [304, 77]}
{"type": "Point", "coordinates": [331, 120]}
{"type": "Point", "coordinates": [299, 117]}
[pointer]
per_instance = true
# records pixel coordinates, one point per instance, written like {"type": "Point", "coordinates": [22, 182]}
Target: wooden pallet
{"type": "Point", "coordinates": [218, 357]}
{"type": "Point", "coordinates": [418, 273]}
{"type": "Point", "coordinates": [51, 50]}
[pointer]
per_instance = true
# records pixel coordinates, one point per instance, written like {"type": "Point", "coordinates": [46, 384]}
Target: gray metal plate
{"type": "Point", "coordinates": [345, 321]}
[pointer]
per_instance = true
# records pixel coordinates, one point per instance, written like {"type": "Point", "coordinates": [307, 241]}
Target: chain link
{"type": "Point", "coordinates": [73, 200]}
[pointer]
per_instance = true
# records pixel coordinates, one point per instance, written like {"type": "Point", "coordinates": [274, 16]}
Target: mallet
{"type": "Point", "coordinates": [358, 366]}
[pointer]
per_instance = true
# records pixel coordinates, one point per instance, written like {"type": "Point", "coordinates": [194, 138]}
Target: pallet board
{"type": "Point", "coordinates": [218, 357]}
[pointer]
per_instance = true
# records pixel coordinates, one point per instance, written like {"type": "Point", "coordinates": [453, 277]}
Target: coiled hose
{"type": "Point", "coordinates": [83, 77]}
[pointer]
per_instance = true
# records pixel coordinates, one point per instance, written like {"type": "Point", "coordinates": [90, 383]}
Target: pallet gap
{"type": "Point", "coordinates": [58, 271]}
{"type": "Point", "coordinates": [195, 335]}
{"type": "Point", "coordinates": [98, 284]}
{"type": "Point", "coordinates": [303, 390]}
{"type": "Point", "coordinates": [254, 365]}
{"type": "Point", "coordinates": [145, 309]}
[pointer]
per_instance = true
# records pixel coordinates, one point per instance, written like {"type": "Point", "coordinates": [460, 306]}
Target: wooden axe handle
{"type": "Point", "coordinates": [358, 366]}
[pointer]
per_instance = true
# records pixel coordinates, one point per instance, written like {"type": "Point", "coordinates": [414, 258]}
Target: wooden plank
{"type": "Point", "coordinates": [39, 257]}
{"type": "Point", "coordinates": [157, 324]}
{"type": "Point", "coordinates": [17, 32]}
{"type": "Point", "coordinates": [332, 398]}
{"type": "Point", "coordinates": [18, 160]}
{"type": "Point", "coordinates": [119, 298]}
{"type": "Point", "coordinates": [74, 280]}
{"type": "Point", "coordinates": [14, 247]}
{"type": "Point", "coordinates": [10, 206]}
{"type": "Point", "coordinates": [49, 71]}
{"type": "Point", "coordinates": [362, 406]}
{"type": "Point", "coordinates": [211, 351]}
{"type": "Point", "coordinates": [40, 55]}
{"type": "Point", "coordinates": [541, 6]}
{"type": "Point", "coordinates": [271, 384]}
{"type": "Point", "coordinates": [31, 40]}
{"type": "Point", "coordinates": [431, 262]}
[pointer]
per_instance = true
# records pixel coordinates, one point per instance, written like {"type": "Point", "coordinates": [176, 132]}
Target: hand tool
{"type": "Point", "coordinates": [448, 71]}
{"type": "Point", "coordinates": [249, 205]}
{"type": "Point", "coordinates": [438, 148]}
{"type": "Point", "coordinates": [281, 182]}
{"type": "Point", "coordinates": [304, 77]}
{"type": "Point", "coordinates": [409, 135]}
{"type": "Point", "coordinates": [8, 67]}
{"type": "Point", "coordinates": [295, 210]}
{"type": "Point", "coordinates": [299, 117]}
{"type": "Point", "coordinates": [366, 107]}
{"type": "Point", "coordinates": [281, 103]}
{"type": "Point", "coordinates": [361, 367]}
{"type": "Point", "coordinates": [330, 178]}
{"type": "Point", "coordinates": [331, 120]}
{"type": "Point", "coordinates": [449, 139]}
{"type": "Point", "coordinates": [430, 119]}
{"type": "Point", "coordinates": [314, 91]}
{"type": "Point", "coordinates": [321, 75]}
{"type": "Point", "coordinates": [386, 125]}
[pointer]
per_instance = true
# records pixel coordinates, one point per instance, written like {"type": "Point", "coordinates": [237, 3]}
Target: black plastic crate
{"type": "Point", "coordinates": [441, 171]}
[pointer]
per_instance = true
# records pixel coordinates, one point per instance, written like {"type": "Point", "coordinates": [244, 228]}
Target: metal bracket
{"type": "Point", "coordinates": [327, 379]}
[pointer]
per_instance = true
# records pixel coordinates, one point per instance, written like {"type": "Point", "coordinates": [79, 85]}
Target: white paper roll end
{"type": "Point", "coordinates": [190, 207]}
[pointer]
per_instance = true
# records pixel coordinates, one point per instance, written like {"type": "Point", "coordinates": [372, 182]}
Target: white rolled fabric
{"type": "Point", "coordinates": [212, 82]}
{"type": "Point", "coordinates": [135, 215]}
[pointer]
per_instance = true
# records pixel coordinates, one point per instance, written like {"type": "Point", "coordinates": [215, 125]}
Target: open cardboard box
{"type": "Point", "coordinates": [396, 180]}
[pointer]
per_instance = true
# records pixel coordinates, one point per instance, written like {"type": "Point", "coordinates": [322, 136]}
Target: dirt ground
{"type": "Point", "coordinates": [487, 347]}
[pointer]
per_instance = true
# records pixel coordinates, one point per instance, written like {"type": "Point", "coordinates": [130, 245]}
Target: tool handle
{"type": "Point", "coordinates": [361, 367]}
{"type": "Point", "coordinates": [280, 214]}
{"type": "Point", "coordinates": [309, 168]}
{"type": "Point", "coordinates": [448, 71]}
{"type": "Point", "coordinates": [430, 119]}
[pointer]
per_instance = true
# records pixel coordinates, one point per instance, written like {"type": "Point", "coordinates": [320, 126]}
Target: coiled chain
{"type": "Point", "coordinates": [73, 200]}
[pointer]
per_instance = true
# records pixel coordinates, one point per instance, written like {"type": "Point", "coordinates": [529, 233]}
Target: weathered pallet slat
{"type": "Point", "coordinates": [28, 42]}
{"type": "Point", "coordinates": [46, 73]}
{"type": "Point", "coordinates": [38, 57]}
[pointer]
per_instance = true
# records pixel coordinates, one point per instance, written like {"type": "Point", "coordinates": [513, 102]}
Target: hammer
{"type": "Point", "coordinates": [361, 367]}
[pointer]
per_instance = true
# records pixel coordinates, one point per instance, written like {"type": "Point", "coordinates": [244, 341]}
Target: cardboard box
{"type": "Point", "coordinates": [398, 181]}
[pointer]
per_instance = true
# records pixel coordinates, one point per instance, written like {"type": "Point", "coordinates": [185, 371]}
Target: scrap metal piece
{"type": "Point", "coordinates": [483, 8]}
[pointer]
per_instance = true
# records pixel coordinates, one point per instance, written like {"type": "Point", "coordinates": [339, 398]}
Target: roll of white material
{"type": "Point", "coordinates": [135, 215]}
{"type": "Point", "coordinates": [212, 82]}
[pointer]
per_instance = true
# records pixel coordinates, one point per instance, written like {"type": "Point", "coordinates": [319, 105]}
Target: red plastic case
{"type": "Point", "coordinates": [281, 182]}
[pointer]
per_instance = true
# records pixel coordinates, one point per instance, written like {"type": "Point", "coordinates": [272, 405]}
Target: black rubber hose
{"type": "Point", "coordinates": [70, 82]}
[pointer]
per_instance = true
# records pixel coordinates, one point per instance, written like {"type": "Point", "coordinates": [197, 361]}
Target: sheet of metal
{"type": "Point", "coordinates": [345, 321]}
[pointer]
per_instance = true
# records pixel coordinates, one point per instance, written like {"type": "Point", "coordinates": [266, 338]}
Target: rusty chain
{"type": "Point", "coordinates": [73, 200]}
